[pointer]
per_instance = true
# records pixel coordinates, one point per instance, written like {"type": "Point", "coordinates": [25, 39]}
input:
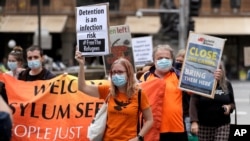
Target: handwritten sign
{"type": "Point", "coordinates": [247, 56]}
{"type": "Point", "coordinates": [92, 29]}
{"type": "Point", "coordinates": [142, 50]}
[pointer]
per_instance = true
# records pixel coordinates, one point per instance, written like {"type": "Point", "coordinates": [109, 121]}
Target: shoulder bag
{"type": "Point", "coordinates": [97, 128]}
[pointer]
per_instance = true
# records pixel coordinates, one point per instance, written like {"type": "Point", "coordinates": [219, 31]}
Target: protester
{"type": "Point", "coordinates": [15, 61]}
{"type": "Point", "coordinates": [172, 126]}
{"type": "Point", "coordinates": [5, 121]}
{"type": "Point", "coordinates": [185, 95]}
{"type": "Point", "coordinates": [36, 71]}
{"type": "Point", "coordinates": [144, 69]}
{"type": "Point", "coordinates": [123, 101]}
{"type": "Point", "coordinates": [15, 64]}
{"type": "Point", "coordinates": [211, 117]}
{"type": "Point", "coordinates": [179, 59]}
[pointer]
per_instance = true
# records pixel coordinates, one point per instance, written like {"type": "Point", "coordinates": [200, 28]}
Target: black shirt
{"type": "Point", "coordinates": [43, 75]}
{"type": "Point", "coordinates": [209, 112]}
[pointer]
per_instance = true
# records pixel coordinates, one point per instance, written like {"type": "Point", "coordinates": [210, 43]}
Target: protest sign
{"type": "Point", "coordinates": [142, 50]}
{"type": "Point", "coordinates": [121, 46]}
{"type": "Point", "coordinates": [92, 29]}
{"type": "Point", "coordinates": [50, 109]}
{"type": "Point", "coordinates": [247, 56]}
{"type": "Point", "coordinates": [202, 58]}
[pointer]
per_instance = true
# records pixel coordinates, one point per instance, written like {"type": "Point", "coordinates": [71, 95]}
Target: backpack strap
{"type": "Point", "coordinates": [139, 107]}
{"type": "Point", "coordinates": [146, 74]}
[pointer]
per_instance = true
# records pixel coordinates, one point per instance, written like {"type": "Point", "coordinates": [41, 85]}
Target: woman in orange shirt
{"type": "Point", "coordinates": [123, 102]}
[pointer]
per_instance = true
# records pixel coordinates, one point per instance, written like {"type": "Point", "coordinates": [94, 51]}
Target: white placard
{"type": "Point", "coordinates": [247, 56]}
{"type": "Point", "coordinates": [92, 29]}
{"type": "Point", "coordinates": [142, 50]}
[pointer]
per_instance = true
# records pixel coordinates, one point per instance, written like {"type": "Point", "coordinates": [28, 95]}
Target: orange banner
{"type": "Point", "coordinates": [50, 109]}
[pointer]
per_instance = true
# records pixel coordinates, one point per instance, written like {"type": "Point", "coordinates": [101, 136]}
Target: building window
{"type": "Point", "coordinates": [35, 2]}
{"type": "Point", "coordinates": [113, 4]}
{"type": "Point", "coordinates": [2, 3]}
{"type": "Point", "coordinates": [46, 2]}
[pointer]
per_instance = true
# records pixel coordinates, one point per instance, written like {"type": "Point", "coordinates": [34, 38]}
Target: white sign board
{"type": "Point", "coordinates": [247, 56]}
{"type": "Point", "coordinates": [142, 50]}
{"type": "Point", "coordinates": [92, 29]}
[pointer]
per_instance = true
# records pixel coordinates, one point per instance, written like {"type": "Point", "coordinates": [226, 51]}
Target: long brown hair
{"type": "Point", "coordinates": [17, 52]}
{"type": "Point", "coordinates": [223, 80]}
{"type": "Point", "coordinates": [131, 85]}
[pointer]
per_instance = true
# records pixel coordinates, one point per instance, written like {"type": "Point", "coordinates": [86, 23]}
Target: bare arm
{"type": "Point", "coordinates": [91, 90]}
{"type": "Point", "coordinates": [148, 117]}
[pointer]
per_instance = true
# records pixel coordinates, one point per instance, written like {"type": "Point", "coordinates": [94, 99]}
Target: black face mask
{"type": "Point", "coordinates": [178, 65]}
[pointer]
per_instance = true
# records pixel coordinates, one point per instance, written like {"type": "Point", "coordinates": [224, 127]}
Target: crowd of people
{"type": "Point", "coordinates": [182, 113]}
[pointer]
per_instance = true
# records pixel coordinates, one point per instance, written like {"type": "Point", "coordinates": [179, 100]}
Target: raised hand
{"type": "Point", "coordinates": [80, 59]}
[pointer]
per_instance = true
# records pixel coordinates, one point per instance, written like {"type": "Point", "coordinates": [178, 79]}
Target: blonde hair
{"type": "Point", "coordinates": [223, 80]}
{"type": "Point", "coordinates": [181, 53]}
{"type": "Point", "coordinates": [131, 86]}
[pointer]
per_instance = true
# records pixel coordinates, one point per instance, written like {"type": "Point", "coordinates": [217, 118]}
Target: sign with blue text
{"type": "Point", "coordinates": [92, 29]}
{"type": "Point", "coordinates": [202, 58]}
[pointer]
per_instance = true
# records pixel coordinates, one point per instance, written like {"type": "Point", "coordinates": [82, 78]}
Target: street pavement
{"type": "Point", "coordinates": [242, 99]}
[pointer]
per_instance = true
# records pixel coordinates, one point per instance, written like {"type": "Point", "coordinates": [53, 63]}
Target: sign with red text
{"type": "Point", "coordinates": [50, 109]}
{"type": "Point", "coordinates": [202, 58]}
{"type": "Point", "coordinates": [92, 29]}
{"type": "Point", "coordinates": [121, 46]}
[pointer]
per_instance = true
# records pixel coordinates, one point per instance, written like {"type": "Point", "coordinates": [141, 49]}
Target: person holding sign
{"type": "Point", "coordinates": [211, 117]}
{"type": "Point", "coordinates": [186, 96]}
{"type": "Point", "coordinates": [123, 101]}
{"type": "Point", "coordinates": [172, 126]}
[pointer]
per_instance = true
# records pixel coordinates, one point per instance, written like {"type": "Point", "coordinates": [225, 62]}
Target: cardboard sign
{"type": "Point", "coordinates": [92, 29]}
{"type": "Point", "coordinates": [202, 58]}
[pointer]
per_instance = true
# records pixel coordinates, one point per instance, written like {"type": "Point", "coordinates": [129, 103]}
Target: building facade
{"type": "Point", "coordinates": [19, 21]}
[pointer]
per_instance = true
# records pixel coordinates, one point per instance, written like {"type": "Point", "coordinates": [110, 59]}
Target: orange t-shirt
{"type": "Point", "coordinates": [122, 114]}
{"type": "Point", "coordinates": [172, 111]}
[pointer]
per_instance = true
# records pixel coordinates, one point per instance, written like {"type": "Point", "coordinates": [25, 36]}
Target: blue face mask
{"type": "Point", "coordinates": [34, 64]}
{"type": "Point", "coordinates": [12, 65]}
{"type": "Point", "coordinates": [119, 80]}
{"type": "Point", "coordinates": [164, 64]}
